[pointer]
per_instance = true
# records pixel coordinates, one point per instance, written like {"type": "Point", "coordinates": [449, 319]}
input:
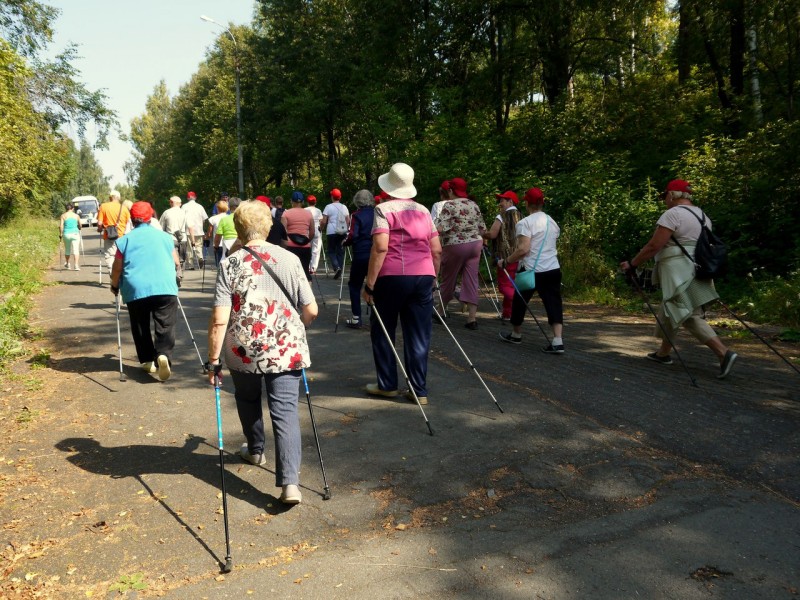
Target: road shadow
{"type": "Point", "coordinates": [138, 460]}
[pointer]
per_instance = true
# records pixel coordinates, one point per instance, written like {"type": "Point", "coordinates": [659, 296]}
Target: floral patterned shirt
{"type": "Point", "coordinates": [460, 221]}
{"type": "Point", "coordinates": [265, 333]}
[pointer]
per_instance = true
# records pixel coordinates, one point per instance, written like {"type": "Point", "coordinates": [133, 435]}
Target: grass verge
{"type": "Point", "coordinates": [26, 249]}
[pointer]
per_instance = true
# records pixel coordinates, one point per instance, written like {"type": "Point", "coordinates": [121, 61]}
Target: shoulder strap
{"type": "Point", "coordinates": [271, 273]}
{"type": "Point", "coordinates": [702, 221]}
{"type": "Point", "coordinates": [546, 229]}
{"type": "Point", "coordinates": [119, 214]}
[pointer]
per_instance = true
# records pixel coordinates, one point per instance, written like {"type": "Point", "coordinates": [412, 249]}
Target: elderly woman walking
{"type": "Point", "coordinates": [258, 326]}
{"type": "Point", "coordinates": [683, 294]}
{"type": "Point", "coordinates": [461, 227]}
{"type": "Point", "coordinates": [504, 233]}
{"type": "Point", "coordinates": [536, 251]}
{"type": "Point", "coordinates": [300, 231]}
{"type": "Point", "coordinates": [70, 232]}
{"type": "Point", "coordinates": [403, 264]}
{"type": "Point", "coordinates": [146, 269]}
{"type": "Point", "coordinates": [360, 238]}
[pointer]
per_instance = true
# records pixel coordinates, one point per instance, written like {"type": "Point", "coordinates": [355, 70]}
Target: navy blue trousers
{"type": "Point", "coordinates": [410, 298]}
{"type": "Point", "coordinates": [358, 271]}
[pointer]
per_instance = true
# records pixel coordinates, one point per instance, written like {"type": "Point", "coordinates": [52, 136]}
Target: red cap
{"type": "Point", "coordinates": [445, 185]}
{"type": "Point", "coordinates": [534, 196]}
{"type": "Point", "coordinates": [141, 211]}
{"type": "Point", "coordinates": [311, 199]}
{"type": "Point", "coordinates": [509, 195]}
{"type": "Point", "coordinates": [191, 195]}
{"type": "Point", "coordinates": [679, 185]}
{"type": "Point", "coordinates": [459, 187]}
{"type": "Point", "coordinates": [336, 194]}
{"type": "Point", "coordinates": [265, 200]}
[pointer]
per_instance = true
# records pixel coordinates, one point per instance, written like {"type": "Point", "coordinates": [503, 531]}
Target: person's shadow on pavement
{"type": "Point", "coordinates": [137, 460]}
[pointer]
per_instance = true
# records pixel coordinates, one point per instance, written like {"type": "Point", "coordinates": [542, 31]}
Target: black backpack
{"type": "Point", "coordinates": [710, 253]}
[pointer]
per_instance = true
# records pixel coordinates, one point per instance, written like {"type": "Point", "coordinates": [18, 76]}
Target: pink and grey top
{"type": "Point", "coordinates": [410, 230]}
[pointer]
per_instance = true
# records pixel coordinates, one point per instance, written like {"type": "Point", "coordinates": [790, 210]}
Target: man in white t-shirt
{"type": "Point", "coordinates": [316, 243]}
{"type": "Point", "coordinates": [336, 220]}
{"type": "Point", "coordinates": [173, 221]}
{"type": "Point", "coordinates": [196, 216]}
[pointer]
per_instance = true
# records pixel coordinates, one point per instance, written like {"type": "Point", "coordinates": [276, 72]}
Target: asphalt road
{"type": "Point", "coordinates": [607, 476]}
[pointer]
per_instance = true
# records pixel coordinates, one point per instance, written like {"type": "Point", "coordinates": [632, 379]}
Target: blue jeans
{"type": "Point", "coordinates": [410, 298]}
{"type": "Point", "coordinates": [336, 250]}
{"type": "Point", "coordinates": [282, 392]}
{"type": "Point", "coordinates": [358, 271]}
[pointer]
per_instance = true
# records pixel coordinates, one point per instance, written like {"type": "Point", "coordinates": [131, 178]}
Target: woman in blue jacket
{"type": "Point", "coordinates": [360, 238]}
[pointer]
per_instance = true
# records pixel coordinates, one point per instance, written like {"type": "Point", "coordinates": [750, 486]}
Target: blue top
{"type": "Point", "coordinates": [361, 232]}
{"type": "Point", "coordinates": [71, 225]}
{"type": "Point", "coordinates": [148, 268]}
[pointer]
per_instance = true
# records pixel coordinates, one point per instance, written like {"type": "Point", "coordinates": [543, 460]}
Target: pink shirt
{"type": "Point", "coordinates": [298, 220]}
{"type": "Point", "coordinates": [410, 230]}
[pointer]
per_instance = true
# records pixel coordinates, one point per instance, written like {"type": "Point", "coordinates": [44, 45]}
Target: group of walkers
{"type": "Point", "coordinates": [263, 299]}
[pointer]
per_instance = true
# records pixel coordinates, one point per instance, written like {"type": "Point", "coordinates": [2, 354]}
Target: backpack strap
{"type": "Point", "coordinates": [702, 225]}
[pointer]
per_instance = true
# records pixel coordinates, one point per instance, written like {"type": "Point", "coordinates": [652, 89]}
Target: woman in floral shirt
{"type": "Point", "coordinates": [262, 336]}
{"type": "Point", "coordinates": [461, 228]}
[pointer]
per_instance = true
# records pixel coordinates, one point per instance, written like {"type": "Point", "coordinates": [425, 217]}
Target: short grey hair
{"type": "Point", "coordinates": [114, 194]}
{"type": "Point", "coordinates": [252, 221]}
{"type": "Point", "coordinates": [363, 198]}
{"type": "Point", "coordinates": [175, 201]}
{"type": "Point", "coordinates": [233, 203]}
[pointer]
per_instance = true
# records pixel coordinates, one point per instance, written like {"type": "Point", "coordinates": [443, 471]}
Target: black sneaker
{"type": "Point", "coordinates": [473, 325]}
{"type": "Point", "coordinates": [550, 349]}
{"type": "Point", "coordinates": [337, 274]}
{"type": "Point", "coordinates": [353, 323]}
{"type": "Point", "coordinates": [664, 360]}
{"type": "Point", "coordinates": [727, 364]}
{"type": "Point", "coordinates": [509, 337]}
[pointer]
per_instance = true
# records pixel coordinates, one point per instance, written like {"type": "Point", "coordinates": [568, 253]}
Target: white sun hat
{"type": "Point", "coordinates": [399, 181]}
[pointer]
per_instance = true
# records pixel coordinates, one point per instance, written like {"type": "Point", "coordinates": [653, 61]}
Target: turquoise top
{"type": "Point", "coordinates": [148, 268]}
{"type": "Point", "coordinates": [71, 225]}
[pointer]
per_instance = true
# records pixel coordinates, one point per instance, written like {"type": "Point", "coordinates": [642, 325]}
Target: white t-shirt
{"type": "Point", "coordinates": [214, 221]}
{"type": "Point", "coordinates": [196, 215]}
{"type": "Point", "coordinates": [316, 214]}
{"type": "Point", "coordinates": [335, 211]}
{"type": "Point", "coordinates": [685, 227]}
{"type": "Point", "coordinates": [533, 227]}
{"type": "Point", "coordinates": [436, 209]}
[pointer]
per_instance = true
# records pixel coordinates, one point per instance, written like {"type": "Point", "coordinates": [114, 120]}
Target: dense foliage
{"type": "Point", "coordinates": [39, 166]}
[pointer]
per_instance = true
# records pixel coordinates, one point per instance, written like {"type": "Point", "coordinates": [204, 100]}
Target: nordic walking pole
{"type": "Point", "coordinates": [469, 362]}
{"type": "Point", "coordinates": [228, 566]}
{"type": "Point", "coordinates": [661, 326]}
{"type": "Point", "coordinates": [100, 265]}
{"type": "Point", "coordinates": [494, 304]}
{"type": "Point", "coordinates": [119, 343]}
{"type": "Point", "coordinates": [185, 320]}
{"type": "Point", "coordinates": [341, 287]}
{"type": "Point", "coordinates": [751, 330]}
{"type": "Point", "coordinates": [327, 495]}
{"type": "Point", "coordinates": [319, 287]}
{"type": "Point", "coordinates": [80, 245]}
{"type": "Point", "coordinates": [441, 302]}
{"type": "Point", "coordinates": [205, 260]}
{"type": "Point", "coordinates": [527, 305]}
{"type": "Point", "coordinates": [489, 270]}
{"type": "Point", "coordinates": [60, 253]}
{"type": "Point", "coordinates": [324, 258]}
{"type": "Point", "coordinates": [402, 367]}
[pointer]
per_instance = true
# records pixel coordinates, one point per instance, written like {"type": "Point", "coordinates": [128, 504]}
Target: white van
{"type": "Point", "coordinates": [87, 209]}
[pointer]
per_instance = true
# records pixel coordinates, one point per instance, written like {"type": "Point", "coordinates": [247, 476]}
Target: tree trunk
{"type": "Point", "coordinates": [684, 32]}
{"type": "Point", "coordinates": [737, 46]}
{"type": "Point", "coordinates": [755, 86]}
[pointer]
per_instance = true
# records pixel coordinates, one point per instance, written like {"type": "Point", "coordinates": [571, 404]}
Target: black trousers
{"type": "Point", "coordinates": [163, 311]}
{"type": "Point", "coordinates": [304, 254]}
{"type": "Point", "coordinates": [548, 286]}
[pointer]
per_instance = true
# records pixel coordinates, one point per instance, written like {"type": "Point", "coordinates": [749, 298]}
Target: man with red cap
{"type": "Point", "coordinates": [316, 244]}
{"type": "Point", "coordinates": [147, 271]}
{"type": "Point", "coordinates": [336, 220]}
{"type": "Point", "coordinates": [683, 294]}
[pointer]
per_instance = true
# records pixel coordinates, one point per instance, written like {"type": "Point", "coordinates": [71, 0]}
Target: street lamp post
{"type": "Point", "coordinates": [238, 103]}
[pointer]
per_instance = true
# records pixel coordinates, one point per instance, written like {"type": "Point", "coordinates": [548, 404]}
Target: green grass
{"type": "Point", "coordinates": [26, 249]}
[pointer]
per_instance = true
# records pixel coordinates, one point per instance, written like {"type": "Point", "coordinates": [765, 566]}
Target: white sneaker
{"type": "Point", "coordinates": [253, 459]}
{"type": "Point", "coordinates": [148, 367]}
{"type": "Point", "coordinates": [163, 367]}
{"type": "Point", "coordinates": [291, 494]}
{"type": "Point", "coordinates": [77, 268]}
